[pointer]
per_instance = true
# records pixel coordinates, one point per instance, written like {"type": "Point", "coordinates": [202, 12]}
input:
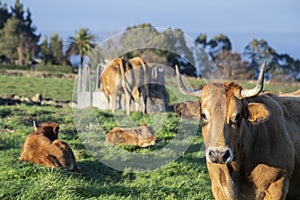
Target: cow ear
{"type": "Point", "coordinates": [56, 129]}
{"type": "Point", "coordinates": [257, 113]}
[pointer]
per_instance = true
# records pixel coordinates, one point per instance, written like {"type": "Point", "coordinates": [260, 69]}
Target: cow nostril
{"type": "Point", "coordinates": [213, 156]}
{"type": "Point", "coordinates": [226, 155]}
{"type": "Point", "coordinates": [212, 153]}
{"type": "Point", "coordinates": [220, 156]}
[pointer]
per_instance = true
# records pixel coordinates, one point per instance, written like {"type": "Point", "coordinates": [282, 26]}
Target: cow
{"type": "Point", "coordinates": [141, 74]}
{"type": "Point", "coordinates": [44, 148]}
{"type": "Point", "coordinates": [141, 136]}
{"type": "Point", "coordinates": [126, 79]}
{"type": "Point", "coordinates": [188, 110]}
{"type": "Point", "coordinates": [295, 93]}
{"type": "Point", "coordinates": [252, 140]}
{"type": "Point", "coordinates": [115, 85]}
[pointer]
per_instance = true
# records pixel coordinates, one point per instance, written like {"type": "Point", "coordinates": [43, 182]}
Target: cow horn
{"type": "Point", "coordinates": [34, 125]}
{"type": "Point", "coordinates": [183, 89]}
{"type": "Point", "coordinates": [259, 85]}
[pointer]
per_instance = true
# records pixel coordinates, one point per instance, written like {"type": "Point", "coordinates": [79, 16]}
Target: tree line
{"type": "Point", "coordinates": [20, 44]}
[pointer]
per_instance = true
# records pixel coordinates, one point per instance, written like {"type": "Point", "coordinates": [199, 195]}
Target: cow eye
{"type": "Point", "coordinates": [237, 119]}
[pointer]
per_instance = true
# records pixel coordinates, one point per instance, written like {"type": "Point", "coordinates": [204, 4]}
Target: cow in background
{"type": "Point", "coordinates": [188, 110]}
{"type": "Point", "coordinates": [142, 78]}
{"type": "Point", "coordinates": [141, 136]}
{"type": "Point", "coordinates": [114, 84]}
{"type": "Point", "coordinates": [44, 148]}
{"type": "Point", "coordinates": [252, 140]}
{"type": "Point", "coordinates": [294, 93]}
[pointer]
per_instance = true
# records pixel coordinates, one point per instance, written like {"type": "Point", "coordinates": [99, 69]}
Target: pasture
{"type": "Point", "coordinates": [184, 178]}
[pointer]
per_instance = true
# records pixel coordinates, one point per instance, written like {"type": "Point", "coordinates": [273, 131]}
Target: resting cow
{"type": "Point", "coordinates": [44, 148]}
{"type": "Point", "coordinates": [188, 110]}
{"type": "Point", "coordinates": [295, 93]}
{"type": "Point", "coordinates": [252, 141]}
{"type": "Point", "coordinates": [141, 136]}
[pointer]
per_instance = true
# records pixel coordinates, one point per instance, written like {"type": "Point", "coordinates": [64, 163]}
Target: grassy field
{"type": "Point", "coordinates": [184, 178]}
{"type": "Point", "coordinates": [58, 89]}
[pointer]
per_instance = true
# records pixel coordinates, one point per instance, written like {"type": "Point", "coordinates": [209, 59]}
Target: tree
{"type": "Point", "coordinates": [217, 44]}
{"type": "Point", "coordinates": [4, 15]}
{"type": "Point", "coordinates": [56, 48]}
{"type": "Point", "coordinates": [258, 51]}
{"type": "Point", "coordinates": [18, 35]}
{"type": "Point", "coordinates": [9, 40]}
{"type": "Point", "coordinates": [166, 47]}
{"type": "Point", "coordinates": [45, 51]}
{"type": "Point", "coordinates": [231, 65]}
{"type": "Point", "coordinates": [82, 44]}
{"type": "Point", "coordinates": [202, 40]}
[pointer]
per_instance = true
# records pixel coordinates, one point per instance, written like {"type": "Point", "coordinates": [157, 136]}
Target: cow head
{"type": "Point", "coordinates": [188, 110]}
{"type": "Point", "coordinates": [49, 129]}
{"type": "Point", "coordinates": [147, 136]}
{"type": "Point", "coordinates": [225, 115]}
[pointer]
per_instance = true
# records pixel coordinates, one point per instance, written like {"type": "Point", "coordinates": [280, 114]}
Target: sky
{"type": "Point", "coordinates": [276, 21]}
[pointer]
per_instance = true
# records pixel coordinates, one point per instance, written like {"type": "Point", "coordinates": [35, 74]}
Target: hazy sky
{"type": "Point", "coordinates": [277, 21]}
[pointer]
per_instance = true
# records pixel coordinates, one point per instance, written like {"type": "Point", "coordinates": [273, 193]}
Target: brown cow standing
{"type": "Point", "coordinates": [252, 141]}
{"type": "Point", "coordinates": [44, 148]}
{"type": "Point", "coordinates": [141, 74]}
{"type": "Point", "coordinates": [142, 136]}
{"type": "Point", "coordinates": [115, 85]}
{"type": "Point", "coordinates": [126, 79]}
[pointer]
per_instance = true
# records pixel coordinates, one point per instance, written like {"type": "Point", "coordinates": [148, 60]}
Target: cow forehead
{"type": "Point", "coordinates": [213, 95]}
{"type": "Point", "coordinates": [221, 98]}
{"type": "Point", "coordinates": [221, 91]}
{"type": "Point", "coordinates": [49, 124]}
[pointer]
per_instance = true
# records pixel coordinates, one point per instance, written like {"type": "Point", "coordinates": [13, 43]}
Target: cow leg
{"type": "Point", "coordinates": [127, 97]}
{"type": "Point", "coordinates": [277, 189]}
{"type": "Point", "coordinates": [266, 186]}
{"type": "Point", "coordinates": [107, 101]}
{"type": "Point", "coordinates": [123, 101]}
{"type": "Point", "coordinates": [137, 105]}
{"type": "Point", "coordinates": [114, 103]}
{"type": "Point", "coordinates": [144, 103]}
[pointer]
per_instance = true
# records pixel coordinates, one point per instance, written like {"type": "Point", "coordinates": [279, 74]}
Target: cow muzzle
{"type": "Point", "coordinates": [221, 155]}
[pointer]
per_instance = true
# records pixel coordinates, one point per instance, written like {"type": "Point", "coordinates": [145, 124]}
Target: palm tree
{"type": "Point", "coordinates": [82, 44]}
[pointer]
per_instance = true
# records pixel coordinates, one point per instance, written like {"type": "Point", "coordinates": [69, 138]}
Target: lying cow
{"type": "Point", "coordinates": [141, 136]}
{"type": "Point", "coordinates": [44, 148]}
{"type": "Point", "coordinates": [295, 93]}
{"type": "Point", "coordinates": [188, 110]}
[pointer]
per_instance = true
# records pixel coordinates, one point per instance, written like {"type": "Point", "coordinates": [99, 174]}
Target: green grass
{"type": "Point", "coordinates": [185, 178]}
{"type": "Point", "coordinates": [59, 89]}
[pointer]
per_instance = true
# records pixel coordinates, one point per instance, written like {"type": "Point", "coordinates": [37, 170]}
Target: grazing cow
{"type": "Point", "coordinates": [44, 148]}
{"type": "Point", "coordinates": [252, 141]}
{"type": "Point", "coordinates": [114, 83]}
{"type": "Point", "coordinates": [188, 110]}
{"type": "Point", "coordinates": [141, 75]}
{"type": "Point", "coordinates": [141, 136]}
